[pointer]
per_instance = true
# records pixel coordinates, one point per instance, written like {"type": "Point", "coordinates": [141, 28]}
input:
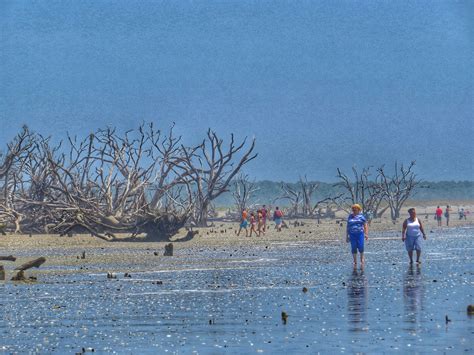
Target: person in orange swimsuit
{"type": "Point", "coordinates": [244, 223]}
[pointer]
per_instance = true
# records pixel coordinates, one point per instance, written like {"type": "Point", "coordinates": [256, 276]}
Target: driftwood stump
{"type": "Point", "coordinates": [168, 249]}
{"type": "Point", "coordinates": [20, 275]}
{"type": "Point", "coordinates": [2, 273]}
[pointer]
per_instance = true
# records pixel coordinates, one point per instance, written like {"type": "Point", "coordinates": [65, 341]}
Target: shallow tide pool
{"type": "Point", "coordinates": [231, 300]}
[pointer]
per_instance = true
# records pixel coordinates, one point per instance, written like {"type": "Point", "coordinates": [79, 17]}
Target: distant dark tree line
{"type": "Point", "coordinates": [141, 181]}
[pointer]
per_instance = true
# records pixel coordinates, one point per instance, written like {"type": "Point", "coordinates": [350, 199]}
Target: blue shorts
{"type": "Point", "coordinates": [413, 243]}
{"type": "Point", "coordinates": [357, 242]}
{"type": "Point", "coordinates": [244, 224]}
{"type": "Point", "coordinates": [277, 221]}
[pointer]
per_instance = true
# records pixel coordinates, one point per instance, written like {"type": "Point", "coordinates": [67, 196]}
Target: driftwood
{"type": "Point", "coordinates": [8, 258]}
{"type": "Point", "coordinates": [365, 189]}
{"type": "Point", "coordinates": [211, 167]}
{"type": "Point", "coordinates": [244, 190]}
{"type": "Point", "coordinates": [2, 273]}
{"type": "Point", "coordinates": [33, 263]}
{"type": "Point", "coordinates": [399, 187]}
{"type": "Point", "coordinates": [20, 275]}
{"type": "Point", "coordinates": [143, 181]}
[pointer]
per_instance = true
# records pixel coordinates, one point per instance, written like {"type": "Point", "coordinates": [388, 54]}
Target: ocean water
{"type": "Point", "coordinates": [230, 300]}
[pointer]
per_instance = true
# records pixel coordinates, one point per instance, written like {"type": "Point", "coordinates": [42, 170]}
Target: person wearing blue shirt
{"type": "Point", "coordinates": [357, 231]}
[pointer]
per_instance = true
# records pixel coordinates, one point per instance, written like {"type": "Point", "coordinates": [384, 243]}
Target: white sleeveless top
{"type": "Point", "coordinates": [413, 228]}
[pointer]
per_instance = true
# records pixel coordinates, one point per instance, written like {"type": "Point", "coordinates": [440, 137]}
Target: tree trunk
{"type": "Point", "coordinates": [202, 215]}
{"type": "Point", "coordinates": [18, 219]}
{"type": "Point", "coordinates": [397, 212]}
{"type": "Point", "coordinates": [378, 214]}
{"type": "Point", "coordinates": [394, 213]}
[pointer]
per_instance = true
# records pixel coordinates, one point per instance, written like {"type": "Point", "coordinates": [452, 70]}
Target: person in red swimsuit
{"type": "Point", "coordinates": [439, 213]}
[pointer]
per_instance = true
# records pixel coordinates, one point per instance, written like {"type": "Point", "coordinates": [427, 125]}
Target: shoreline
{"type": "Point", "coordinates": [63, 253]}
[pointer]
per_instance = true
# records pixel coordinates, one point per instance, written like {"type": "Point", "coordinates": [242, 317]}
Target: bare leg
{"type": "Point", "coordinates": [354, 256]}
{"type": "Point", "coordinates": [418, 254]}
{"type": "Point", "coordinates": [410, 255]}
{"type": "Point", "coordinates": [362, 260]}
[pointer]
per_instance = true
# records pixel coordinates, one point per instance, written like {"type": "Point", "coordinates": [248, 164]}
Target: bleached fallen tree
{"type": "Point", "coordinates": [11, 162]}
{"type": "Point", "coordinates": [398, 187]}
{"type": "Point", "coordinates": [379, 192]}
{"type": "Point", "coordinates": [212, 166]}
{"type": "Point", "coordinates": [363, 188]}
{"type": "Point", "coordinates": [140, 182]}
{"type": "Point", "coordinates": [301, 199]}
{"type": "Point", "coordinates": [307, 190]}
{"type": "Point", "coordinates": [244, 190]}
{"type": "Point", "coordinates": [293, 196]}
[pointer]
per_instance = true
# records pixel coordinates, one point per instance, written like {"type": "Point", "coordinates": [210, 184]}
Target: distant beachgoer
{"type": "Point", "coordinates": [439, 213]}
{"type": "Point", "coordinates": [357, 231]}
{"type": "Point", "coordinates": [462, 214]}
{"type": "Point", "coordinates": [260, 222]}
{"type": "Point", "coordinates": [411, 234]}
{"type": "Point", "coordinates": [278, 218]}
{"type": "Point", "coordinates": [244, 223]}
{"type": "Point", "coordinates": [253, 224]}
{"type": "Point", "coordinates": [447, 212]}
{"type": "Point", "coordinates": [264, 216]}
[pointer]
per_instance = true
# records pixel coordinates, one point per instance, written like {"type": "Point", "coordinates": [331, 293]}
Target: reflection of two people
{"type": "Point", "coordinates": [413, 292]}
{"type": "Point", "coordinates": [357, 298]}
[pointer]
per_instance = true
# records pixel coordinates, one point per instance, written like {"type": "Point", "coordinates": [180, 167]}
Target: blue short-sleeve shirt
{"type": "Point", "coordinates": [355, 224]}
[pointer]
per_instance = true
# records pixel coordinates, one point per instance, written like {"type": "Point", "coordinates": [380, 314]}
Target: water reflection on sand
{"type": "Point", "coordinates": [357, 298]}
{"type": "Point", "coordinates": [413, 296]}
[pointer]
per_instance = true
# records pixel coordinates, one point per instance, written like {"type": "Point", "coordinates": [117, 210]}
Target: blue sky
{"type": "Point", "coordinates": [320, 84]}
